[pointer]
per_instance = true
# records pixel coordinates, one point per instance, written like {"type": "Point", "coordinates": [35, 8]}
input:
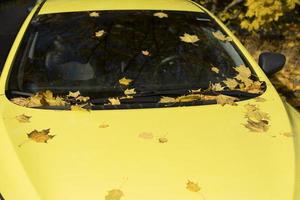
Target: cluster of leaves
{"type": "Point", "coordinates": [257, 121]}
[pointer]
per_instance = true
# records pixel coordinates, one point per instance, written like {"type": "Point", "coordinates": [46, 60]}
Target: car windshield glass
{"type": "Point", "coordinates": [128, 56]}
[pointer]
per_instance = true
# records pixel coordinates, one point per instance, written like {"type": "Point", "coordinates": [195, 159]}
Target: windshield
{"type": "Point", "coordinates": [126, 56]}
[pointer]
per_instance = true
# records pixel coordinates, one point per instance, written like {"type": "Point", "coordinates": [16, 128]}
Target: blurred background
{"type": "Point", "coordinates": [261, 25]}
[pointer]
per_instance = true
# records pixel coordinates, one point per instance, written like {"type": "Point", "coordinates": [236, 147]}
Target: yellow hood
{"type": "Point", "coordinates": [207, 145]}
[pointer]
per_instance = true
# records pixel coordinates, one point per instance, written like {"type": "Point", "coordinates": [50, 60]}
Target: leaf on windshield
{"type": "Point", "coordinates": [195, 91]}
{"type": "Point", "coordinates": [100, 33]}
{"type": "Point", "coordinates": [94, 14]}
{"type": "Point", "coordinates": [162, 140]}
{"type": "Point", "coordinates": [257, 121]}
{"type": "Point", "coordinates": [49, 98]}
{"type": "Point", "coordinates": [160, 15]}
{"type": "Point", "coordinates": [23, 118]}
{"type": "Point", "coordinates": [216, 87]}
{"type": "Point", "coordinates": [189, 38]}
{"type": "Point", "coordinates": [78, 108]}
{"type": "Point", "coordinates": [146, 135]}
{"type": "Point", "coordinates": [114, 101]}
{"type": "Point", "coordinates": [114, 194]}
{"type": "Point", "coordinates": [223, 100]}
{"type": "Point", "coordinates": [244, 73]}
{"type": "Point", "coordinates": [35, 101]}
{"type": "Point", "coordinates": [130, 92]}
{"type": "Point", "coordinates": [146, 53]}
{"type": "Point", "coordinates": [125, 81]}
{"type": "Point", "coordinates": [189, 98]}
{"type": "Point", "coordinates": [83, 99]}
{"type": "Point", "coordinates": [231, 83]}
{"type": "Point", "coordinates": [74, 94]}
{"type": "Point", "coordinates": [104, 125]}
{"type": "Point", "coordinates": [192, 186]}
{"type": "Point", "coordinates": [220, 36]}
{"type": "Point", "coordinates": [167, 100]}
{"type": "Point", "coordinates": [215, 69]}
{"type": "Point", "coordinates": [40, 136]}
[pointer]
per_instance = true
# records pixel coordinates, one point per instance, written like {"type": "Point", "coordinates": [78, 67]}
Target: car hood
{"type": "Point", "coordinates": [152, 154]}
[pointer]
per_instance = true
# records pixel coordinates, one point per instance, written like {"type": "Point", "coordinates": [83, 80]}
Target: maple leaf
{"type": "Point", "coordinates": [257, 121]}
{"type": "Point", "coordinates": [146, 53]}
{"type": "Point", "coordinates": [78, 108]}
{"type": "Point", "coordinates": [189, 38]}
{"type": "Point", "coordinates": [125, 81]}
{"type": "Point", "coordinates": [220, 36]}
{"type": "Point", "coordinates": [215, 69]}
{"type": "Point", "coordinates": [162, 140]}
{"type": "Point", "coordinates": [115, 194]}
{"type": "Point", "coordinates": [94, 14]}
{"type": "Point", "coordinates": [47, 94]}
{"type": "Point", "coordinates": [223, 100]}
{"type": "Point", "coordinates": [21, 101]}
{"type": "Point", "coordinates": [231, 83]}
{"type": "Point", "coordinates": [189, 98]}
{"type": "Point", "coordinates": [287, 134]}
{"type": "Point", "coordinates": [160, 15]}
{"type": "Point", "coordinates": [195, 91]}
{"type": "Point", "coordinates": [254, 87]}
{"type": "Point", "coordinates": [100, 33]}
{"type": "Point", "coordinates": [57, 101]}
{"type": "Point", "coordinates": [261, 126]}
{"type": "Point", "coordinates": [23, 118]}
{"type": "Point", "coordinates": [74, 94]}
{"type": "Point", "coordinates": [260, 99]}
{"type": "Point", "coordinates": [130, 92]}
{"type": "Point", "coordinates": [193, 187]}
{"type": "Point", "coordinates": [167, 100]}
{"type": "Point", "coordinates": [83, 99]}
{"type": "Point", "coordinates": [114, 101]}
{"type": "Point", "coordinates": [216, 87]}
{"type": "Point", "coordinates": [244, 73]}
{"type": "Point", "coordinates": [35, 101]}
{"type": "Point", "coordinates": [103, 125]}
{"type": "Point", "coordinates": [146, 135]}
{"type": "Point", "coordinates": [40, 136]}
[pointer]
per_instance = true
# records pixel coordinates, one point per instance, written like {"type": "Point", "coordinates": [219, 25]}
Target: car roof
{"type": "Point", "coordinates": [60, 6]}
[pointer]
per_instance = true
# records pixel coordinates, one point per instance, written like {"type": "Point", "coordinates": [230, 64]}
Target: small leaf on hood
{"type": "Point", "coordinates": [73, 94]}
{"type": "Point", "coordinates": [160, 15]}
{"type": "Point", "coordinates": [100, 33]}
{"type": "Point", "coordinates": [260, 99]}
{"type": "Point", "coordinates": [23, 118]}
{"type": "Point", "coordinates": [130, 92]}
{"type": "Point", "coordinates": [257, 121]}
{"type": "Point", "coordinates": [215, 69]}
{"type": "Point", "coordinates": [40, 136]}
{"type": "Point", "coordinates": [114, 101]}
{"type": "Point", "coordinates": [94, 14]}
{"type": "Point", "coordinates": [125, 81]}
{"type": "Point", "coordinates": [104, 125]}
{"type": "Point", "coordinates": [114, 194]}
{"type": "Point", "coordinates": [287, 134]}
{"type": "Point", "coordinates": [220, 36]}
{"type": "Point", "coordinates": [163, 140]}
{"type": "Point", "coordinates": [146, 135]}
{"type": "Point", "coordinates": [192, 186]}
{"type": "Point", "coordinates": [189, 38]}
{"type": "Point", "coordinates": [223, 100]}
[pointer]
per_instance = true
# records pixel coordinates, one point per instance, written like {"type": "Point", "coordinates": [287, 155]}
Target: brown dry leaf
{"type": "Point", "coordinates": [160, 15]}
{"type": "Point", "coordinates": [231, 83]}
{"type": "Point", "coordinates": [94, 14]}
{"type": "Point", "coordinates": [114, 101]}
{"type": "Point", "coordinates": [125, 81]}
{"type": "Point", "coordinates": [189, 98]}
{"type": "Point", "coordinates": [23, 118]}
{"type": "Point", "coordinates": [223, 100]}
{"type": "Point", "coordinates": [220, 36]}
{"type": "Point", "coordinates": [255, 87]}
{"type": "Point", "coordinates": [244, 73]}
{"type": "Point", "coordinates": [21, 101]}
{"type": "Point", "coordinates": [40, 136]}
{"type": "Point", "coordinates": [192, 186]}
{"type": "Point", "coordinates": [257, 121]}
{"type": "Point", "coordinates": [189, 38]}
{"type": "Point", "coordinates": [287, 134]}
{"type": "Point", "coordinates": [146, 135]}
{"type": "Point", "coordinates": [162, 140]}
{"type": "Point", "coordinates": [35, 101]}
{"type": "Point", "coordinates": [56, 101]}
{"type": "Point", "coordinates": [146, 53]}
{"type": "Point", "coordinates": [104, 125]}
{"type": "Point", "coordinates": [260, 99]}
{"type": "Point", "coordinates": [74, 94]}
{"type": "Point", "coordinates": [78, 108]}
{"type": "Point", "coordinates": [100, 33]}
{"type": "Point", "coordinates": [130, 92]}
{"type": "Point", "coordinates": [114, 194]}
{"type": "Point", "coordinates": [261, 126]}
{"type": "Point", "coordinates": [216, 87]}
{"type": "Point", "coordinates": [167, 100]}
{"type": "Point", "coordinates": [215, 69]}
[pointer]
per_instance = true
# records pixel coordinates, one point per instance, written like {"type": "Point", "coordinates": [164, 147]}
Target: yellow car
{"type": "Point", "coordinates": [141, 100]}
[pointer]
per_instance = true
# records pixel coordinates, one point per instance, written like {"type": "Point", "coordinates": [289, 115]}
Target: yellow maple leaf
{"type": "Point", "coordinates": [100, 33]}
{"type": "Point", "coordinates": [192, 186]}
{"type": "Point", "coordinates": [215, 69]}
{"type": "Point", "coordinates": [167, 100]}
{"type": "Point", "coordinates": [160, 15]}
{"type": "Point", "coordinates": [223, 100]}
{"type": "Point", "coordinates": [257, 121]}
{"type": "Point", "coordinates": [244, 73]}
{"type": "Point", "coordinates": [94, 14]}
{"type": "Point", "coordinates": [21, 101]}
{"type": "Point", "coordinates": [125, 81]}
{"type": "Point", "coordinates": [40, 136]}
{"type": "Point", "coordinates": [114, 194]}
{"type": "Point", "coordinates": [74, 94]}
{"type": "Point", "coordinates": [189, 38]}
{"type": "Point", "coordinates": [114, 101]}
{"type": "Point", "coordinates": [130, 92]}
{"type": "Point", "coordinates": [216, 87]}
{"type": "Point", "coordinates": [23, 118]}
{"type": "Point", "coordinates": [56, 101]}
{"type": "Point", "coordinates": [220, 36]}
{"type": "Point", "coordinates": [231, 83]}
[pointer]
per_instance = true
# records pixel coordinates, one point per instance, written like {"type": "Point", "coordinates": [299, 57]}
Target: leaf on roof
{"type": "Point", "coordinates": [146, 53]}
{"type": "Point", "coordinates": [130, 92]}
{"type": "Point", "coordinates": [23, 118]}
{"type": "Point", "coordinates": [100, 33]}
{"type": "Point", "coordinates": [146, 135]}
{"type": "Point", "coordinates": [257, 121]}
{"type": "Point", "coordinates": [231, 83]}
{"type": "Point", "coordinates": [192, 186]}
{"type": "Point", "coordinates": [215, 69]}
{"type": "Point", "coordinates": [189, 38]}
{"type": "Point", "coordinates": [40, 136]}
{"type": "Point", "coordinates": [125, 81]}
{"type": "Point", "coordinates": [223, 100]}
{"type": "Point", "coordinates": [115, 194]}
{"type": "Point", "coordinates": [160, 15]}
{"type": "Point", "coordinates": [94, 14]}
{"type": "Point", "coordinates": [114, 101]}
{"type": "Point", "coordinates": [220, 36]}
